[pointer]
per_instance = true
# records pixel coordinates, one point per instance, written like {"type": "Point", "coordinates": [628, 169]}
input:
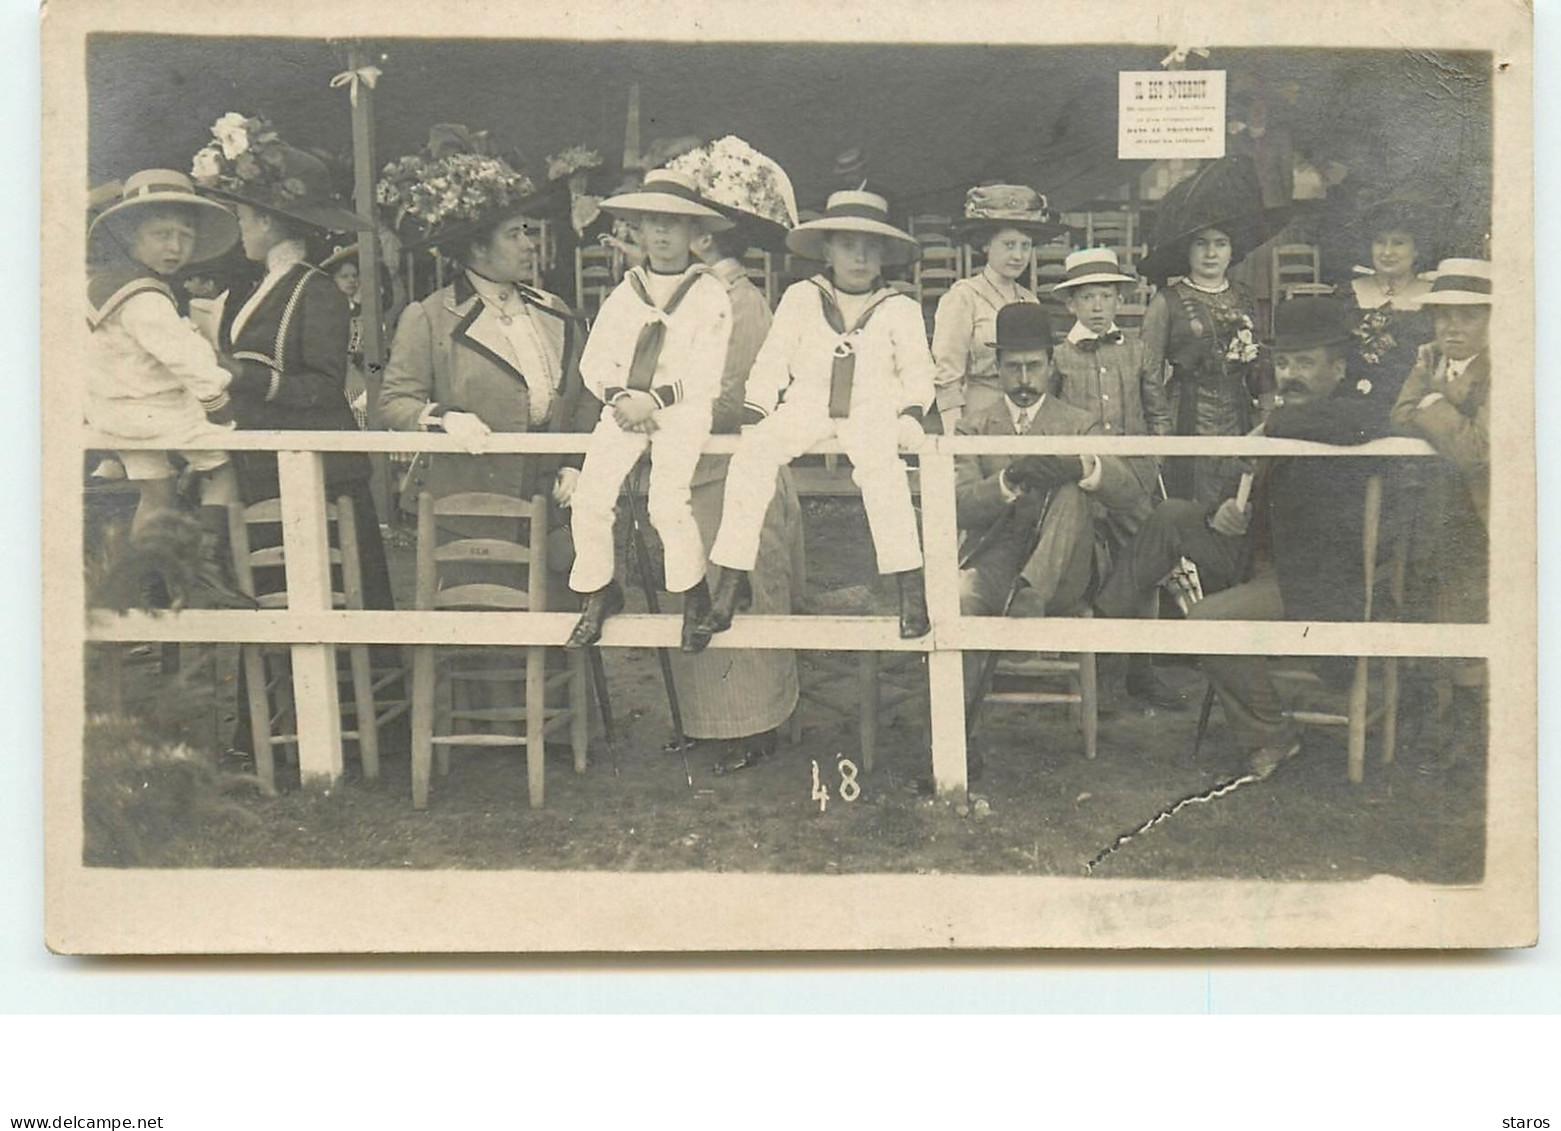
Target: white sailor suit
{"type": "Point", "coordinates": [888, 370]}
{"type": "Point", "coordinates": [694, 319]}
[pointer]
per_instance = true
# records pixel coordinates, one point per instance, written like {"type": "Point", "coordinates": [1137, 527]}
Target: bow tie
{"type": "Point", "coordinates": [1110, 337]}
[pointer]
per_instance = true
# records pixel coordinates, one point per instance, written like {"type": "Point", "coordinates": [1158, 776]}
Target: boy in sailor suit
{"type": "Point", "coordinates": [847, 356]}
{"type": "Point", "coordinates": [655, 359]}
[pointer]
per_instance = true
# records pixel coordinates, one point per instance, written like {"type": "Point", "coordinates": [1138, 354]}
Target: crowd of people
{"type": "Point", "coordinates": [686, 346]}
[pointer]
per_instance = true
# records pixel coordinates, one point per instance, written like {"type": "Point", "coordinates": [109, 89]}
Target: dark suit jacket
{"type": "Point", "coordinates": [978, 495]}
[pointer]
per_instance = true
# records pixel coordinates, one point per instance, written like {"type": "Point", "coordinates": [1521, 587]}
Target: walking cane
{"type": "Point", "coordinates": [679, 739]}
{"type": "Point", "coordinates": [989, 661]}
{"type": "Point", "coordinates": [1243, 494]}
{"type": "Point", "coordinates": [593, 657]}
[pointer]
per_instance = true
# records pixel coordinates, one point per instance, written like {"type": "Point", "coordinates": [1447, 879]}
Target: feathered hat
{"type": "Point", "coordinates": [1224, 194]}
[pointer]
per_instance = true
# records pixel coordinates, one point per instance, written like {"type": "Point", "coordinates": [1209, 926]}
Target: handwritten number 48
{"type": "Point", "coordinates": [849, 789]}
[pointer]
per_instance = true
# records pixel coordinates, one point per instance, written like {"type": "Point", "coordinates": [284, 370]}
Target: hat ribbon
{"type": "Point", "coordinates": [368, 76]}
{"type": "Point", "coordinates": [147, 189]}
{"type": "Point", "coordinates": [671, 188]}
{"type": "Point", "coordinates": [856, 212]}
{"type": "Point", "coordinates": [1472, 283]}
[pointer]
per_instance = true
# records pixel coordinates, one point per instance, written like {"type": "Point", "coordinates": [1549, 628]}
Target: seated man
{"type": "Point", "coordinates": [1307, 557]}
{"type": "Point", "coordinates": [1031, 523]}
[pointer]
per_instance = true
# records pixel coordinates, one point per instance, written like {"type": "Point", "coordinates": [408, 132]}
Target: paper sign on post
{"type": "Point", "coordinates": [1169, 114]}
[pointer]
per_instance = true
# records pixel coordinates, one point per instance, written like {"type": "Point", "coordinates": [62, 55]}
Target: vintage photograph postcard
{"type": "Point", "coordinates": [697, 476]}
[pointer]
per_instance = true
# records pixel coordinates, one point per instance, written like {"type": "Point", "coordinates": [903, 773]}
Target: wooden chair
{"type": "Point", "coordinates": [267, 669]}
{"type": "Point", "coordinates": [1061, 680]}
{"type": "Point", "coordinates": [861, 686]}
{"type": "Point", "coordinates": [1047, 262]}
{"type": "Point", "coordinates": [936, 271]}
{"type": "Point", "coordinates": [597, 272]}
{"type": "Point", "coordinates": [1296, 270]}
{"type": "Point", "coordinates": [1359, 714]}
{"type": "Point", "coordinates": [488, 573]}
{"type": "Point", "coordinates": [758, 264]}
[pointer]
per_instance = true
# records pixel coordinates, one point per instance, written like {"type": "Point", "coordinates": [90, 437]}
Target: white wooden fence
{"type": "Point", "coordinates": [313, 629]}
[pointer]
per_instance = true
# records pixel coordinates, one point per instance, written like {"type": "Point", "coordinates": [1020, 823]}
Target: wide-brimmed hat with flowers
{"type": "Point", "coordinates": [668, 192]}
{"type": "Point", "coordinates": [249, 163]}
{"type": "Point", "coordinates": [1460, 282]}
{"type": "Point", "coordinates": [1091, 265]}
{"type": "Point", "coordinates": [991, 208]}
{"type": "Point", "coordinates": [216, 230]}
{"type": "Point", "coordinates": [853, 211]}
{"type": "Point", "coordinates": [453, 189]}
{"type": "Point", "coordinates": [745, 186]}
{"type": "Point", "coordinates": [1224, 195]}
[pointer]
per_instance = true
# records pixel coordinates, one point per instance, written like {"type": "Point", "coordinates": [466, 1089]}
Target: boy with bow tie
{"type": "Point", "coordinates": [655, 359]}
{"type": "Point", "coordinates": [850, 357]}
{"type": "Point", "coordinates": [1101, 371]}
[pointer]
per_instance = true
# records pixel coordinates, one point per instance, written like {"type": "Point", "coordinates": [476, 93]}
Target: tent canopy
{"type": "Point", "coordinates": [933, 119]}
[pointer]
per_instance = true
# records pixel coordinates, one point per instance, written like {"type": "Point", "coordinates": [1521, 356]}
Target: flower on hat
{"type": "Point", "coordinates": [246, 155]}
{"type": "Point", "coordinates": [567, 162]}
{"type": "Point", "coordinates": [732, 173]}
{"type": "Point", "coordinates": [1007, 202]}
{"type": "Point", "coordinates": [433, 194]}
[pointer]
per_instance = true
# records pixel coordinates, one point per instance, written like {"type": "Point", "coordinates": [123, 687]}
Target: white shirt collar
{"type": "Point", "coordinates": [1015, 412]}
{"type": "Point", "coordinates": [1082, 333]}
{"type": "Point", "coordinates": [493, 293]}
{"type": "Point", "coordinates": [284, 255]}
{"type": "Point", "coordinates": [281, 259]}
{"type": "Point", "coordinates": [1455, 369]}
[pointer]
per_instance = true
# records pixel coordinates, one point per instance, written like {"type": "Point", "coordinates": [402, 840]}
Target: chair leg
{"type": "Point", "coordinates": [422, 723]}
{"type": "Point", "coordinates": [285, 708]}
{"type": "Point", "coordinates": [794, 724]}
{"type": "Point", "coordinates": [254, 661]}
{"type": "Point", "coordinates": [579, 708]}
{"type": "Point", "coordinates": [1389, 709]}
{"type": "Point", "coordinates": [536, 716]}
{"type": "Point", "coordinates": [444, 704]}
{"type": "Point", "coordinates": [867, 696]}
{"type": "Point", "coordinates": [363, 700]}
{"type": "Point", "coordinates": [1357, 714]}
{"type": "Point", "coordinates": [1089, 702]}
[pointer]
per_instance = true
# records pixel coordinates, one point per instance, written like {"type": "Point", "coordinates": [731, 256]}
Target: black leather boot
{"type": "Point", "coordinates": [598, 607]}
{"type": "Point", "coordinates": [733, 594]}
{"type": "Point", "coordinates": [696, 608]}
{"type": "Point", "coordinates": [914, 621]}
{"type": "Point", "coordinates": [1148, 688]}
{"type": "Point", "coordinates": [212, 585]}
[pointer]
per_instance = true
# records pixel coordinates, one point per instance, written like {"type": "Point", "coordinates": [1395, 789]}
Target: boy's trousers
{"type": "Point", "coordinates": [871, 444]}
{"type": "Point", "coordinates": [675, 447]}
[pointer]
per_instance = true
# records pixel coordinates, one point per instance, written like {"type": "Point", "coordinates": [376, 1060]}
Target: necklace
{"type": "Point", "coordinates": [1221, 289]}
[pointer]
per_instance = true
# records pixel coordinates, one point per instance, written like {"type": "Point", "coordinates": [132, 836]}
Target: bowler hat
{"type": "Point", "coordinates": [1310, 322]}
{"type": "Point", "coordinates": [1023, 326]}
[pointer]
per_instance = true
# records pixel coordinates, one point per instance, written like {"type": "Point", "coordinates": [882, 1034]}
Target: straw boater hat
{"type": "Point", "coordinates": [216, 230]}
{"type": "Point", "coordinates": [1092, 265]}
{"type": "Point", "coordinates": [669, 192]}
{"type": "Point", "coordinates": [745, 186]}
{"type": "Point", "coordinates": [249, 163]}
{"type": "Point", "coordinates": [1224, 194]}
{"type": "Point", "coordinates": [1460, 282]}
{"type": "Point", "coordinates": [853, 211]}
{"type": "Point", "coordinates": [991, 208]}
{"type": "Point", "coordinates": [1310, 322]}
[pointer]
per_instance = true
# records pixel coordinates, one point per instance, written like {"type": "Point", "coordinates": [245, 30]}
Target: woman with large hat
{"type": "Point", "coordinates": [288, 329]}
{"type": "Point", "coordinates": [735, 701]}
{"type": "Point", "coordinates": [1003, 223]}
{"type": "Point", "coordinates": [487, 353]}
{"type": "Point", "coordinates": [1204, 372]}
{"type": "Point", "coordinates": [1392, 325]}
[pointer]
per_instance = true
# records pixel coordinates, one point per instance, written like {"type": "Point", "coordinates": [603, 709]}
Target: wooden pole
{"type": "Point", "coordinates": [364, 168]}
{"type": "Point", "coordinates": [631, 129]}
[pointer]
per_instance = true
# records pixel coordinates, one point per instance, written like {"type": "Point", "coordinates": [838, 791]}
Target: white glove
{"type": "Point", "coordinates": [1230, 519]}
{"type": "Point", "coordinates": [468, 429]}
{"type": "Point", "coordinates": [564, 485]}
{"type": "Point", "coordinates": [911, 436]}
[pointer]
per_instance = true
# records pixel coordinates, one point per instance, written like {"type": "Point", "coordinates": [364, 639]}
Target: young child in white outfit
{"type": "Point", "coordinates": [654, 358]}
{"type": "Point", "coordinates": [151, 375]}
{"type": "Point", "coordinates": [850, 356]}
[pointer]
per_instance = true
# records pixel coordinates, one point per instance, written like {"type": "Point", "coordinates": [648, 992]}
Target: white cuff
{"type": "Point", "coordinates": [426, 419]}
{"type": "Point", "coordinates": [1096, 472]}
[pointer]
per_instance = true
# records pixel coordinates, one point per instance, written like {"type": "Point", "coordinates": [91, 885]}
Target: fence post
{"type": "Point", "coordinates": [945, 667]}
{"type": "Point", "coordinates": [306, 546]}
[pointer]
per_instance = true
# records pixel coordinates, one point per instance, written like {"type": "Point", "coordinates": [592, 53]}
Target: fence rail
{"type": "Point", "coordinates": [312, 629]}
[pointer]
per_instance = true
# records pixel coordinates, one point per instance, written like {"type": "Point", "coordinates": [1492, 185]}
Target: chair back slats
{"type": "Point", "coordinates": [482, 595]}
{"type": "Point", "coordinates": [483, 504]}
{"type": "Point", "coordinates": [494, 551]}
